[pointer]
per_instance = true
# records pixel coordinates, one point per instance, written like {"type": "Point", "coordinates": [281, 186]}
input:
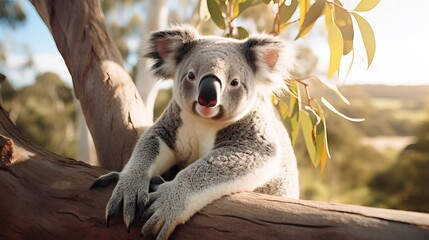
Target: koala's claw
{"type": "Point", "coordinates": [108, 220]}
{"type": "Point", "coordinates": [105, 180]}
{"type": "Point", "coordinates": [129, 227]}
{"type": "Point", "coordinates": [162, 212]}
{"type": "Point", "coordinates": [129, 211]}
{"type": "Point", "coordinates": [132, 197]}
{"type": "Point", "coordinates": [157, 227]}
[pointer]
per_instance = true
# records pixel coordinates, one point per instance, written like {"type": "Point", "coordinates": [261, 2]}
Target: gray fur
{"type": "Point", "coordinates": [237, 144]}
{"type": "Point", "coordinates": [166, 128]}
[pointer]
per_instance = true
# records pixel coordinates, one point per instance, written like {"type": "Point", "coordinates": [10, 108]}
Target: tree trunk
{"type": "Point", "coordinates": [146, 82]}
{"type": "Point", "coordinates": [113, 109]}
{"type": "Point", "coordinates": [46, 196]}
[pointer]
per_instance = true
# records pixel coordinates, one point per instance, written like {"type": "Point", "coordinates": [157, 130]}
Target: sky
{"type": "Point", "coordinates": [401, 29]}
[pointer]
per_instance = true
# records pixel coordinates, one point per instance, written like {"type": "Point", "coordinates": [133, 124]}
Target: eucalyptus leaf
{"type": "Point", "coordinates": [314, 12]}
{"type": "Point", "coordinates": [283, 108]}
{"type": "Point", "coordinates": [304, 5]}
{"type": "Point", "coordinates": [334, 110]}
{"type": "Point", "coordinates": [241, 5]}
{"type": "Point", "coordinates": [366, 5]}
{"type": "Point", "coordinates": [242, 33]}
{"type": "Point", "coordinates": [335, 41]}
{"type": "Point", "coordinates": [295, 107]}
{"type": "Point", "coordinates": [286, 12]}
{"type": "Point", "coordinates": [368, 36]}
{"type": "Point", "coordinates": [324, 153]}
{"type": "Point", "coordinates": [216, 13]}
{"type": "Point", "coordinates": [294, 119]}
{"type": "Point", "coordinates": [335, 89]}
{"type": "Point", "coordinates": [307, 131]}
{"type": "Point", "coordinates": [350, 64]}
{"type": "Point", "coordinates": [343, 21]}
{"type": "Point", "coordinates": [320, 144]}
{"type": "Point", "coordinates": [338, 3]}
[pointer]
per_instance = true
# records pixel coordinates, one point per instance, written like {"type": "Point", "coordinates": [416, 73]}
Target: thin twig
{"type": "Point", "coordinates": [291, 22]}
{"type": "Point", "coordinates": [307, 89]}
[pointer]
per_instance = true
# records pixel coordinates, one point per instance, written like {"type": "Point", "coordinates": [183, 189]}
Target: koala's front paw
{"type": "Point", "coordinates": [166, 209]}
{"type": "Point", "coordinates": [133, 192]}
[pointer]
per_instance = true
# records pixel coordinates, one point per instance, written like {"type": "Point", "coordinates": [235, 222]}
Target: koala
{"type": "Point", "coordinates": [220, 129]}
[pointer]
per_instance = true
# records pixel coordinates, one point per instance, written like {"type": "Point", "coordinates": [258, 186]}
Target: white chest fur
{"type": "Point", "coordinates": [195, 139]}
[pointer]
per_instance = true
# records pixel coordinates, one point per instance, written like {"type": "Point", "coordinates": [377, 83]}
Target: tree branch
{"type": "Point", "coordinates": [113, 109]}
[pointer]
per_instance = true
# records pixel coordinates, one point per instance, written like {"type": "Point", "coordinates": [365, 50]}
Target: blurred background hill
{"type": "Point", "coordinates": [382, 161]}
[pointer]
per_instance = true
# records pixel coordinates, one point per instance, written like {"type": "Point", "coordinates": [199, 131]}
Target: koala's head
{"type": "Point", "coordinates": [218, 78]}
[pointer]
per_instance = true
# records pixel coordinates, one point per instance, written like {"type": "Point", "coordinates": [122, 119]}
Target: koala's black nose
{"type": "Point", "coordinates": [209, 91]}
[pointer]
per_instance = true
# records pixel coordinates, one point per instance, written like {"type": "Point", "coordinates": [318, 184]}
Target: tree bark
{"type": "Point", "coordinates": [113, 109]}
{"type": "Point", "coordinates": [46, 196]}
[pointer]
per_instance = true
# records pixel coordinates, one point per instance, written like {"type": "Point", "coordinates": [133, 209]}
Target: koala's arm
{"type": "Point", "coordinates": [224, 171]}
{"type": "Point", "coordinates": [152, 155]}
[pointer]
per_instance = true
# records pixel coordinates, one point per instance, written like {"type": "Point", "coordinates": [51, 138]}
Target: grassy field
{"type": "Point", "coordinates": [387, 103]}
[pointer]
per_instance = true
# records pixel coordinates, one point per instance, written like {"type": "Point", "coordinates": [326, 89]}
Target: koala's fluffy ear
{"type": "Point", "coordinates": [271, 60]}
{"type": "Point", "coordinates": [168, 47]}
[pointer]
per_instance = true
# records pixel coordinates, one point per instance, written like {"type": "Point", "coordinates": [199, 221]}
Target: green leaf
{"type": "Point", "coordinates": [320, 144]}
{"type": "Point", "coordinates": [267, 1]}
{"type": "Point", "coordinates": [242, 33]}
{"type": "Point", "coordinates": [350, 65]}
{"type": "Point", "coordinates": [307, 131]}
{"type": "Point", "coordinates": [317, 135]}
{"type": "Point", "coordinates": [314, 12]}
{"type": "Point", "coordinates": [338, 3]}
{"type": "Point", "coordinates": [366, 5]}
{"type": "Point", "coordinates": [283, 108]}
{"type": "Point", "coordinates": [322, 150]}
{"type": "Point", "coordinates": [295, 107]}
{"type": "Point", "coordinates": [294, 118]}
{"type": "Point", "coordinates": [334, 110]}
{"type": "Point", "coordinates": [238, 33]}
{"type": "Point", "coordinates": [335, 89]}
{"type": "Point", "coordinates": [304, 5]}
{"type": "Point", "coordinates": [368, 36]}
{"type": "Point", "coordinates": [216, 13]}
{"type": "Point", "coordinates": [291, 88]}
{"type": "Point", "coordinates": [343, 20]}
{"type": "Point", "coordinates": [286, 12]}
{"type": "Point", "coordinates": [335, 40]}
{"type": "Point", "coordinates": [241, 5]}
{"type": "Point", "coordinates": [204, 11]}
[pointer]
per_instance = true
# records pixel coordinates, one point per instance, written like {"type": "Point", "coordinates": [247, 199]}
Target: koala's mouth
{"type": "Point", "coordinates": [208, 112]}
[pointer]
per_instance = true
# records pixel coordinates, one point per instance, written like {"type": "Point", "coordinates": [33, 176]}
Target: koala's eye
{"type": "Point", "coordinates": [191, 75]}
{"type": "Point", "coordinates": [234, 83]}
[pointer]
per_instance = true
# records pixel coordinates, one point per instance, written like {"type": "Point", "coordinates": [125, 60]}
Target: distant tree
{"type": "Point", "coordinates": [351, 168]}
{"type": "Point", "coordinates": [11, 13]}
{"type": "Point", "coordinates": [404, 184]}
{"type": "Point", "coordinates": [123, 21]}
{"type": "Point", "coordinates": [44, 112]}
